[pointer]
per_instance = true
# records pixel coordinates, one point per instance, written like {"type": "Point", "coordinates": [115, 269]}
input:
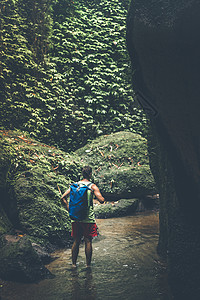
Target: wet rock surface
{"type": "Point", "coordinates": [20, 262]}
{"type": "Point", "coordinates": [164, 48]}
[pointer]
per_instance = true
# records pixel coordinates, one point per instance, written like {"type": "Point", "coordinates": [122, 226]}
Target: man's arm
{"type": "Point", "coordinates": [63, 198]}
{"type": "Point", "coordinates": [97, 193]}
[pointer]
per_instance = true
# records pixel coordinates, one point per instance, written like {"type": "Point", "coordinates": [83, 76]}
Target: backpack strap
{"type": "Point", "coordinates": [74, 184]}
{"type": "Point", "coordinates": [88, 184]}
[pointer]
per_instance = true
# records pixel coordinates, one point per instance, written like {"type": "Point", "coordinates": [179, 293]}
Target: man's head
{"type": "Point", "coordinates": [87, 172]}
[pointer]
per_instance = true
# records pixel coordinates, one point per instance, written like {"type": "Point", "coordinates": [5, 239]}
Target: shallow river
{"type": "Point", "coordinates": [125, 265]}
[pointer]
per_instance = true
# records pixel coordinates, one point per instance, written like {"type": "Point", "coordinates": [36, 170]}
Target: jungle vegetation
{"type": "Point", "coordinates": [65, 75]}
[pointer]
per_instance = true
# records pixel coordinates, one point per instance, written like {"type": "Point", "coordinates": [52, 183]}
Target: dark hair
{"type": "Point", "coordinates": [86, 172]}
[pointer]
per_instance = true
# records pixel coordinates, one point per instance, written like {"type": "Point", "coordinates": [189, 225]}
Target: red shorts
{"type": "Point", "coordinates": [80, 229]}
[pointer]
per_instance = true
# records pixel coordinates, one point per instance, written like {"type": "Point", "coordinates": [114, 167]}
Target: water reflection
{"type": "Point", "coordinates": [83, 289]}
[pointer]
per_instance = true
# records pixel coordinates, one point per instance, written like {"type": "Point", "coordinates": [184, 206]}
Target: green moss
{"type": "Point", "coordinates": [120, 165]}
{"type": "Point", "coordinates": [120, 208]}
{"type": "Point", "coordinates": [35, 178]}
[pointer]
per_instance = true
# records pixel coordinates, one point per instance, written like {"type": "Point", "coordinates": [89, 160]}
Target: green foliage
{"type": "Point", "coordinates": [37, 17]}
{"type": "Point", "coordinates": [65, 75]}
{"type": "Point", "coordinates": [90, 53]}
{"type": "Point", "coordinates": [22, 92]}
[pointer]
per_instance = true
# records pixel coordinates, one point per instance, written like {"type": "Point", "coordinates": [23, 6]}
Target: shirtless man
{"type": "Point", "coordinates": [87, 227]}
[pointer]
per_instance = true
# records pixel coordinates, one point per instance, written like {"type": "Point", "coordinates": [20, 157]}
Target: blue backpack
{"type": "Point", "coordinates": [78, 204]}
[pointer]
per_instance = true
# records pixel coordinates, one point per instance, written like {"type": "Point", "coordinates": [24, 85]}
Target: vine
{"type": "Point", "coordinates": [65, 75]}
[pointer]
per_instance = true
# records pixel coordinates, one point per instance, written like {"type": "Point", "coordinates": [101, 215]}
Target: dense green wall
{"type": "Point", "coordinates": [64, 72]}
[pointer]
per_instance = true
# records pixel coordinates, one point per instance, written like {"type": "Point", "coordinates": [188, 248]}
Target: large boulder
{"type": "Point", "coordinates": [119, 208]}
{"type": "Point", "coordinates": [120, 165]}
{"type": "Point", "coordinates": [39, 209]}
{"type": "Point", "coordinates": [164, 47]}
{"type": "Point", "coordinates": [33, 177]}
{"type": "Point", "coordinates": [32, 218]}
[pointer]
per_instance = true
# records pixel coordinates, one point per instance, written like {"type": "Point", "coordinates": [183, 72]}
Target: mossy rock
{"type": "Point", "coordinates": [120, 208]}
{"type": "Point", "coordinates": [35, 177]}
{"type": "Point", "coordinates": [20, 262]}
{"type": "Point", "coordinates": [120, 165]}
{"type": "Point", "coordinates": [39, 209]}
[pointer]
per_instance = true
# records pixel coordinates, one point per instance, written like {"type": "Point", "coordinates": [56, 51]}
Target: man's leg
{"type": "Point", "coordinates": [75, 250]}
{"type": "Point", "coordinates": [88, 250]}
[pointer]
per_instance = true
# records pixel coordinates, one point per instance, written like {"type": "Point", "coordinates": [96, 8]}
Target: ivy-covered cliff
{"type": "Point", "coordinates": [64, 70]}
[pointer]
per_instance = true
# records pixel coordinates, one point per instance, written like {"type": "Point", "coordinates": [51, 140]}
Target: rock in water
{"type": "Point", "coordinates": [20, 262]}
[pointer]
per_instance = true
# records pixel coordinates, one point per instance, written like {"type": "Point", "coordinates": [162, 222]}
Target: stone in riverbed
{"type": "Point", "coordinates": [20, 262]}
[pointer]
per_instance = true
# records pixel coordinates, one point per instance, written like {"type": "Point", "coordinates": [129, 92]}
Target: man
{"type": "Point", "coordinates": [86, 228]}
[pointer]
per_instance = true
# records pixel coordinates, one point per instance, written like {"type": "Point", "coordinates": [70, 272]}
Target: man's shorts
{"type": "Point", "coordinates": [80, 229]}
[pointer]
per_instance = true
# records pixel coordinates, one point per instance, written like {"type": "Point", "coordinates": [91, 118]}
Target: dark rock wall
{"type": "Point", "coordinates": [5, 222]}
{"type": "Point", "coordinates": [164, 45]}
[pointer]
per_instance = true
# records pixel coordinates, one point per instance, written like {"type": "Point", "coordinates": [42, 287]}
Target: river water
{"type": "Point", "coordinates": [125, 265]}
